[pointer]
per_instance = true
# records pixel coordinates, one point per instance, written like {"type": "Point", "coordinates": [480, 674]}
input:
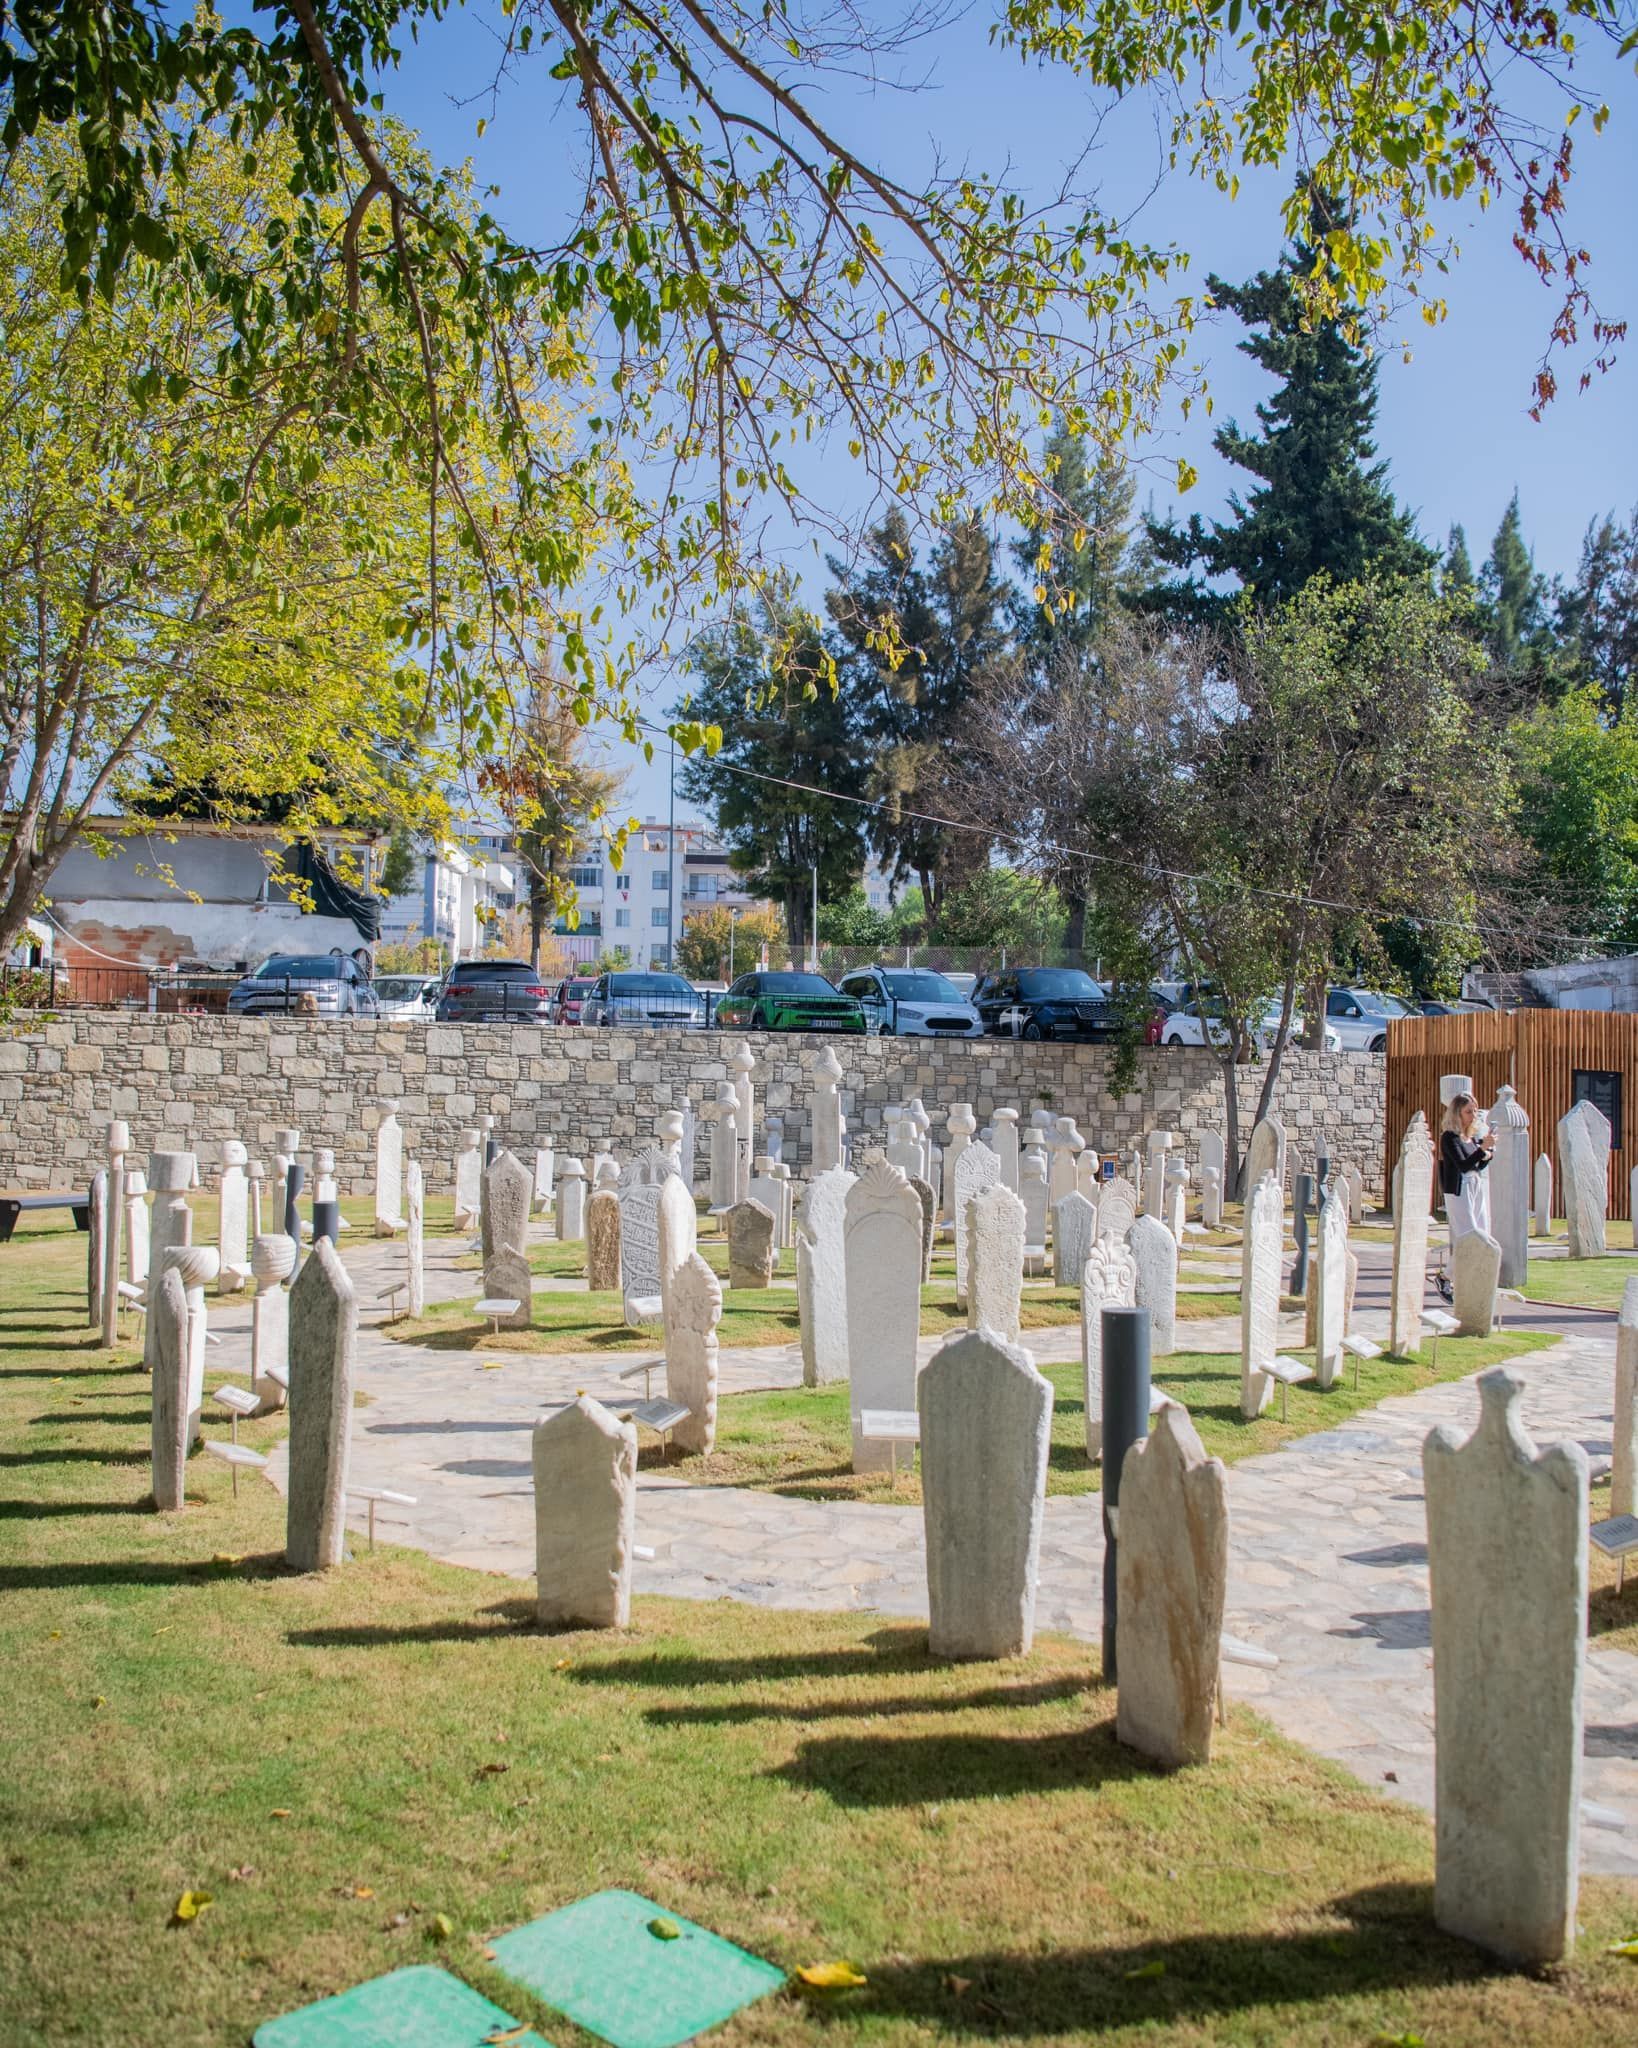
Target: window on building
{"type": "Point", "coordinates": [586, 877]}
{"type": "Point", "coordinates": [1603, 1091]}
{"type": "Point", "coordinates": [622, 917]}
{"type": "Point", "coordinates": [660, 879]}
{"type": "Point", "coordinates": [660, 917]}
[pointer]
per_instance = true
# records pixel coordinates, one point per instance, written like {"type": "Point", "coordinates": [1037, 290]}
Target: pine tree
{"type": "Point", "coordinates": [1456, 578]}
{"type": "Point", "coordinates": [1511, 590]}
{"type": "Point", "coordinates": [1096, 556]}
{"type": "Point", "coordinates": [1598, 614]}
{"type": "Point", "coordinates": [1323, 503]}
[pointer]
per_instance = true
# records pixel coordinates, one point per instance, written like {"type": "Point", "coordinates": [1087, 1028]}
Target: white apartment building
{"type": "Point", "coordinates": [640, 908]}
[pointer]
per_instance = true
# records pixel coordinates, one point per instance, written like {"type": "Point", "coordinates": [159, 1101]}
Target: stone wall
{"type": "Point", "coordinates": [186, 1083]}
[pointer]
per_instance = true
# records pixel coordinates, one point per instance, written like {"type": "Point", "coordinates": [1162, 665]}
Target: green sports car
{"type": "Point", "coordinates": [788, 1002]}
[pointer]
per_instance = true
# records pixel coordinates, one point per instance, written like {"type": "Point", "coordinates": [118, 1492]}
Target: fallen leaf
{"type": "Point", "coordinates": [189, 1907]}
{"type": "Point", "coordinates": [562, 1663]}
{"type": "Point", "coordinates": [831, 1976]}
{"type": "Point", "coordinates": [606, 1758]}
{"type": "Point", "coordinates": [1390, 1777]}
{"type": "Point", "coordinates": [101, 1700]}
{"type": "Point", "coordinates": [1155, 1969]}
{"type": "Point", "coordinates": [440, 1927]}
{"type": "Point", "coordinates": [503, 2035]}
{"type": "Point", "coordinates": [959, 1985]}
{"type": "Point", "coordinates": [1628, 1947]}
{"type": "Point", "coordinates": [279, 1813]}
{"type": "Point", "coordinates": [1399, 2041]}
{"type": "Point", "coordinates": [228, 1557]}
{"type": "Point", "coordinates": [494, 1365]}
{"type": "Point", "coordinates": [244, 1872]}
{"type": "Point", "coordinates": [165, 1631]}
{"type": "Point", "coordinates": [55, 1636]}
{"type": "Point", "coordinates": [491, 1770]}
{"type": "Point", "coordinates": [665, 1930]}
{"type": "Point", "coordinates": [363, 1891]}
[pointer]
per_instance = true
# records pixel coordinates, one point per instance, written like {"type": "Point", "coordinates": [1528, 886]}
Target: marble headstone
{"type": "Point", "coordinates": [323, 1344]}
{"type": "Point", "coordinates": [881, 1235]}
{"type": "Point", "coordinates": [1108, 1280]}
{"type": "Point", "coordinates": [1154, 1252]}
{"type": "Point", "coordinates": [821, 1277]}
{"type": "Point", "coordinates": [995, 1261]}
{"type": "Point", "coordinates": [1584, 1170]}
{"type": "Point", "coordinates": [691, 1352]}
{"type": "Point", "coordinates": [585, 1470]}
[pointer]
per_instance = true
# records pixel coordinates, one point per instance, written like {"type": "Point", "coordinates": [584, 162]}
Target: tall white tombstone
{"type": "Point", "coordinates": [1507, 1571]}
{"type": "Point", "coordinates": [692, 1316]}
{"type": "Point", "coordinates": [1474, 1271]}
{"type": "Point", "coordinates": [585, 1466]}
{"type": "Point", "coordinates": [197, 1265]}
{"type": "Point", "coordinates": [1543, 1218]}
{"type": "Point", "coordinates": [1412, 1213]}
{"type": "Point", "coordinates": [976, 1169]}
{"type": "Point", "coordinates": [995, 1261]}
{"type": "Point", "coordinates": [1330, 1286]}
{"type": "Point", "coordinates": [1004, 1144]}
{"type": "Point", "coordinates": [233, 1218]}
{"type": "Point", "coordinates": [1212, 1154]}
{"type": "Point", "coordinates": [744, 1066]}
{"type": "Point", "coordinates": [1509, 1176]}
{"type": "Point", "coordinates": [1266, 1154]}
{"type": "Point", "coordinates": [677, 1232]}
{"type": "Point", "coordinates": [1154, 1252]}
{"type": "Point", "coordinates": [1108, 1280]}
{"type": "Point", "coordinates": [508, 1192]}
{"type": "Point", "coordinates": [1211, 1197]}
{"type": "Point", "coordinates": [961, 1125]}
{"type": "Point", "coordinates": [916, 1110]}
{"type": "Point", "coordinates": [118, 1140]}
{"type": "Point", "coordinates": [1117, 1208]}
{"type": "Point", "coordinates": [1624, 1463]}
{"type": "Point", "coordinates": [323, 1348]}
{"type": "Point", "coordinates": [725, 1148]}
{"type": "Point", "coordinates": [1356, 1193]}
{"type": "Point", "coordinates": [881, 1238]}
{"type": "Point", "coordinates": [821, 1277]}
{"type": "Point", "coordinates": [1032, 1190]}
{"type": "Point", "coordinates": [771, 1194]}
{"type": "Point", "coordinates": [389, 1171]}
{"type": "Point", "coordinates": [1172, 1576]}
{"type": "Point", "coordinates": [174, 1423]}
{"type": "Point", "coordinates": [1155, 1146]}
{"type": "Point", "coordinates": [1262, 1246]}
{"type": "Point", "coordinates": [1175, 1200]}
{"type": "Point", "coordinates": [687, 1162]}
{"type": "Point", "coordinates": [415, 1237]}
{"type": "Point", "coordinates": [170, 1175]}
{"type": "Point", "coordinates": [96, 1258]}
{"type": "Point", "coordinates": [640, 1266]}
{"type": "Point", "coordinates": [272, 1260]}
{"type": "Point", "coordinates": [469, 1181]}
{"type": "Point", "coordinates": [668, 1135]}
{"type": "Point", "coordinates": [986, 1432]}
{"type": "Point", "coordinates": [905, 1149]}
{"type": "Point", "coordinates": [1088, 1174]}
{"type": "Point", "coordinates": [571, 1202]}
{"type": "Point", "coordinates": [545, 1175]}
{"type": "Point", "coordinates": [1064, 1146]}
{"type": "Point", "coordinates": [826, 1139]}
{"type": "Point", "coordinates": [1074, 1223]}
{"type": "Point", "coordinates": [1584, 1170]}
{"type": "Point", "coordinates": [138, 1251]}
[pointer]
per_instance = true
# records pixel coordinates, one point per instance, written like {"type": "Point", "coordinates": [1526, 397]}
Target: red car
{"type": "Point", "coordinates": [568, 997]}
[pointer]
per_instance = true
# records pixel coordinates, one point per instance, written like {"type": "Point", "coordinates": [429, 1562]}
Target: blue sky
{"type": "Point", "coordinates": [1453, 423]}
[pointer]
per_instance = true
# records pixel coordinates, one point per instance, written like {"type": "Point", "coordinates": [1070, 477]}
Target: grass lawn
{"type": "Point", "coordinates": [339, 1761]}
{"type": "Point", "coordinates": [797, 1440]}
{"type": "Point", "coordinates": [1582, 1283]}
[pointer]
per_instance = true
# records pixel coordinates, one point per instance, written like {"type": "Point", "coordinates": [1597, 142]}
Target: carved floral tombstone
{"type": "Point", "coordinates": [881, 1237]}
{"type": "Point", "coordinates": [585, 1470]}
{"type": "Point", "coordinates": [691, 1352]}
{"type": "Point", "coordinates": [509, 1193]}
{"type": "Point", "coordinates": [976, 1169]}
{"type": "Point", "coordinates": [1507, 1571]}
{"type": "Point", "coordinates": [1108, 1280]}
{"type": "Point", "coordinates": [1074, 1221]}
{"type": "Point", "coordinates": [323, 1346]}
{"type": "Point", "coordinates": [1117, 1208]}
{"type": "Point", "coordinates": [1172, 1564]}
{"type": "Point", "coordinates": [995, 1262]}
{"type": "Point", "coordinates": [821, 1277]}
{"type": "Point", "coordinates": [826, 1144]}
{"type": "Point", "coordinates": [1154, 1252]}
{"type": "Point", "coordinates": [986, 1430]}
{"type": "Point", "coordinates": [1261, 1247]}
{"type": "Point", "coordinates": [961, 1125]}
{"type": "Point", "coordinates": [677, 1231]}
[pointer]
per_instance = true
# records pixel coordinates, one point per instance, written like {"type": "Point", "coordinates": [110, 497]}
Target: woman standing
{"type": "Point", "coordinates": [1464, 1159]}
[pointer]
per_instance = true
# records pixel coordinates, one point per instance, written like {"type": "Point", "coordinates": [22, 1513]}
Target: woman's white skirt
{"type": "Point", "coordinates": [1470, 1210]}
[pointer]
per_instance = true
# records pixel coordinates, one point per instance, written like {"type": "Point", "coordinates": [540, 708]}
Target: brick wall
{"type": "Point", "coordinates": [186, 1083]}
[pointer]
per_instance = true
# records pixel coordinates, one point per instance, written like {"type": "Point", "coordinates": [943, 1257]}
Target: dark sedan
{"type": "Point", "coordinates": [494, 991]}
{"type": "Point", "coordinates": [788, 1002]}
{"type": "Point", "coordinates": [1046, 1002]}
{"type": "Point", "coordinates": [305, 984]}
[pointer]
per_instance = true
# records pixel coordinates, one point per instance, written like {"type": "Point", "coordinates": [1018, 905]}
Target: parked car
{"type": "Point", "coordinates": [493, 991]}
{"type": "Point", "coordinates": [330, 983]}
{"type": "Point", "coordinates": [1154, 1031]}
{"type": "Point", "coordinates": [962, 982]}
{"type": "Point", "coordinates": [407, 995]}
{"type": "Point", "coordinates": [1183, 1026]}
{"type": "Point", "coordinates": [1361, 1016]}
{"type": "Point", "coordinates": [1046, 1002]}
{"type": "Point", "coordinates": [569, 996]}
{"type": "Point", "coordinates": [662, 1000]}
{"type": "Point", "coordinates": [765, 1001]}
{"type": "Point", "coordinates": [911, 1002]}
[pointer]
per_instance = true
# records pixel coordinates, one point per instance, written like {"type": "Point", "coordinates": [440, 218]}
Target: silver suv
{"type": "Point", "coordinates": [1360, 1017]}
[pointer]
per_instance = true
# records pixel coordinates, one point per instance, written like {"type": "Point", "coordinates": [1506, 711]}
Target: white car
{"type": "Point", "coordinates": [406, 995]}
{"type": "Point", "coordinates": [1182, 1027]}
{"type": "Point", "coordinates": [911, 1002]}
{"type": "Point", "coordinates": [1361, 1016]}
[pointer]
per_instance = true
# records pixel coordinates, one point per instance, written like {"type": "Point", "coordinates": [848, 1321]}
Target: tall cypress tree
{"type": "Point", "coordinates": [1323, 502]}
{"type": "Point", "coordinates": [1096, 556]}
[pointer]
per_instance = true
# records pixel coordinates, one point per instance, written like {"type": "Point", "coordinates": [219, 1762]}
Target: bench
{"type": "Point", "coordinates": [12, 1206]}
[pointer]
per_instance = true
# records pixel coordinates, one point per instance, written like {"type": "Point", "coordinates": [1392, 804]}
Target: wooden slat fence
{"type": "Point", "coordinates": [1539, 1052]}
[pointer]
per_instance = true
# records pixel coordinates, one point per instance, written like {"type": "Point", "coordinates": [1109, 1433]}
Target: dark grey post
{"type": "Point", "coordinates": [1322, 1174]}
{"type": "Point", "coordinates": [294, 1180]}
{"type": "Point", "coordinates": [1299, 1230]}
{"type": "Point", "coordinates": [491, 1146]}
{"type": "Point", "coordinates": [327, 1222]}
{"type": "Point", "coordinates": [1125, 1422]}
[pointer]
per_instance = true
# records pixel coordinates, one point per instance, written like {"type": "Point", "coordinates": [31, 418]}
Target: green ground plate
{"type": "Point", "coordinates": [597, 1962]}
{"type": "Point", "coordinates": [420, 2007]}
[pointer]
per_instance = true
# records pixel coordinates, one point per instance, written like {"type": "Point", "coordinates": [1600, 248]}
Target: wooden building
{"type": "Point", "coordinates": [1553, 1058]}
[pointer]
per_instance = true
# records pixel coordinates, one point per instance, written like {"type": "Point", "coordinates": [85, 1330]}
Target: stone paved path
{"type": "Point", "coordinates": [1328, 1563]}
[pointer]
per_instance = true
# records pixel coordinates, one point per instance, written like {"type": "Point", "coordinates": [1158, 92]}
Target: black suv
{"type": "Point", "coordinates": [1045, 1002]}
{"type": "Point", "coordinates": [494, 991]}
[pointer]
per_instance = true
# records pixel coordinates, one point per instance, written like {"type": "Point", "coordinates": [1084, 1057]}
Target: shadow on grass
{"type": "Point", "coordinates": [25, 1578]}
{"type": "Point", "coordinates": [72, 1457]}
{"type": "Point", "coordinates": [1040, 1693]}
{"type": "Point", "coordinates": [895, 1649]}
{"type": "Point", "coordinates": [70, 1416]}
{"type": "Point", "coordinates": [1391, 1947]}
{"type": "Point", "coordinates": [916, 1770]}
{"type": "Point", "coordinates": [510, 1618]}
{"type": "Point", "coordinates": [32, 1510]}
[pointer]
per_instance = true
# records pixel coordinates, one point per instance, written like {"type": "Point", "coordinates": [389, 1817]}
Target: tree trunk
{"type": "Point", "coordinates": [1075, 927]}
{"type": "Point", "coordinates": [1234, 1165]}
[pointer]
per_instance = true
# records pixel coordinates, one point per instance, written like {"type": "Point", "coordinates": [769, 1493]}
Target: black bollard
{"type": "Point", "coordinates": [327, 1222]}
{"type": "Point", "coordinates": [294, 1180]}
{"type": "Point", "coordinates": [1322, 1175]}
{"type": "Point", "coordinates": [490, 1147]}
{"type": "Point", "coordinates": [1125, 1422]}
{"type": "Point", "coordinates": [1299, 1230]}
